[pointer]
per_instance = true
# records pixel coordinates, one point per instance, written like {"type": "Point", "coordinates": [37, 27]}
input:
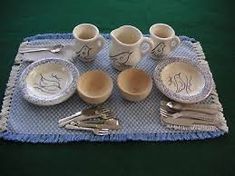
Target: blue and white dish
{"type": "Point", "coordinates": [49, 81]}
{"type": "Point", "coordinates": [183, 80]}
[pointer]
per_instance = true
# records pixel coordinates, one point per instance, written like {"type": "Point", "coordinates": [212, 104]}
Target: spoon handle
{"type": "Point", "coordinates": [99, 126]}
{"type": "Point", "coordinates": [33, 50]}
{"type": "Point", "coordinates": [76, 118]}
{"type": "Point", "coordinates": [199, 115]}
{"type": "Point", "coordinates": [72, 127]}
{"type": "Point", "coordinates": [202, 110]}
{"type": "Point", "coordinates": [70, 117]}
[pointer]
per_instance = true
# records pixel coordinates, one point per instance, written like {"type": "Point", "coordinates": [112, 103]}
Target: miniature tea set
{"type": "Point", "coordinates": [51, 81]}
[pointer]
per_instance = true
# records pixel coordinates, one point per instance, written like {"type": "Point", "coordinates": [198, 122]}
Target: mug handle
{"type": "Point", "coordinates": [175, 42]}
{"type": "Point", "coordinates": [149, 42]}
{"type": "Point", "coordinates": [100, 42]}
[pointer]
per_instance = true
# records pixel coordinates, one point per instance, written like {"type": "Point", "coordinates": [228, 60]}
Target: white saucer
{"type": "Point", "coordinates": [49, 81]}
{"type": "Point", "coordinates": [183, 80]}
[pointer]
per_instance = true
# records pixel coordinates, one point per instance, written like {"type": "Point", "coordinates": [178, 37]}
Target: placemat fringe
{"type": "Point", "coordinates": [214, 95]}
{"type": "Point", "coordinates": [6, 105]}
{"type": "Point", "coordinates": [154, 137]}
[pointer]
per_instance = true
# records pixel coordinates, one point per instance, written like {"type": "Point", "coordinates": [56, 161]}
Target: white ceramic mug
{"type": "Point", "coordinates": [88, 42]}
{"type": "Point", "coordinates": [164, 39]}
{"type": "Point", "coordinates": [127, 47]}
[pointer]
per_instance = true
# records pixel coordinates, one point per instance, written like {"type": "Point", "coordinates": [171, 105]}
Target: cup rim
{"type": "Point", "coordinates": [82, 25]}
{"type": "Point", "coordinates": [135, 93]}
{"type": "Point", "coordinates": [130, 27]}
{"type": "Point", "coordinates": [161, 24]}
{"type": "Point", "coordinates": [105, 93]}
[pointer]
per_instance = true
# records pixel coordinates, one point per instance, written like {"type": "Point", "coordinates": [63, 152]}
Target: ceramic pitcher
{"type": "Point", "coordinates": [127, 47]}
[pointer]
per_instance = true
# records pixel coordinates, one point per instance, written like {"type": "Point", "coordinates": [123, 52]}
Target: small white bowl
{"type": "Point", "coordinates": [94, 87]}
{"type": "Point", "coordinates": [134, 84]}
{"type": "Point", "coordinates": [48, 81]}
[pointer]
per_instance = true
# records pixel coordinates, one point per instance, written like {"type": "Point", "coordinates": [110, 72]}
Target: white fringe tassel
{"type": "Point", "coordinates": [6, 105]}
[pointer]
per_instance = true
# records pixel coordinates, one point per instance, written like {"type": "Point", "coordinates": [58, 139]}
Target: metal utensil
{"type": "Point", "coordinates": [190, 122]}
{"type": "Point", "coordinates": [53, 49]}
{"type": "Point", "coordinates": [97, 118]}
{"type": "Point", "coordinates": [203, 108]}
{"type": "Point", "coordinates": [78, 118]}
{"type": "Point", "coordinates": [180, 122]}
{"type": "Point", "coordinates": [111, 124]}
{"type": "Point", "coordinates": [191, 115]}
{"type": "Point", "coordinates": [96, 131]}
{"type": "Point", "coordinates": [90, 112]}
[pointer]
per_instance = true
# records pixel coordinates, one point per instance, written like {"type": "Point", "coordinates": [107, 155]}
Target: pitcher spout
{"type": "Point", "coordinates": [114, 34]}
{"type": "Point", "coordinates": [126, 35]}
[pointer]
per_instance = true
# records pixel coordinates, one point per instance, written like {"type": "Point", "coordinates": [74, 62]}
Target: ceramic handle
{"type": "Point", "coordinates": [149, 42]}
{"type": "Point", "coordinates": [100, 42]}
{"type": "Point", "coordinates": [175, 42]}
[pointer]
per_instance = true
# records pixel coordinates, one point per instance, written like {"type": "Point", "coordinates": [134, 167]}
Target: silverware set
{"type": "Point", "coordinates": [188, 115]}
{"type": "Point", "coordinates": [97, 119]}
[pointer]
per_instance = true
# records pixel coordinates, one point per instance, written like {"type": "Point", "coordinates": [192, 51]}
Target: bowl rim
{"type": "Point", "coordinates": [107, 92]}
{"type": "Point", "coordinates": [135, 93]}
{"type": "Point", "coordinates": [202, 68]}
{"type": "Point", "coordinates": [43, 101]}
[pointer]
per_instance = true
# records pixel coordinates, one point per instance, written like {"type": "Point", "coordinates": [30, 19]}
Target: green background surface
{"type": "Point", "coordinates": [208, 21]}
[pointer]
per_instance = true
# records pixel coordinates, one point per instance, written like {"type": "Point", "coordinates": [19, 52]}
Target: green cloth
{"type": "Point", "coordinates": [210, 22]}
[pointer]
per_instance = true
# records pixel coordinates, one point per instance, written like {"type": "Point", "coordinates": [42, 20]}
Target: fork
{"type": "Point", "coordinates": [190, 114]}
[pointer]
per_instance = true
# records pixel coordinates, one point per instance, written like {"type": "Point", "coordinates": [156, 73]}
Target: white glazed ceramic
{"type": "Point", "coordinates": [88, 42]}
{"type": "Point", "coordinates": [134, 84]}
{"type": "Point", "coordinates": [164, 39]}
{"type": "Point", "coordinates": [94, 87]}
{"type": "Point", "coordinates": [49, 81]}
{"type": "Point", "coordinates": [127, 47]}
{"type": "Point", "coordinates": [183, 80]}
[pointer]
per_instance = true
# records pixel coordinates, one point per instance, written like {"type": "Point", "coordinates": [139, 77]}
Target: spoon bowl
{"type": "Point", "coordinates": [56, 48]}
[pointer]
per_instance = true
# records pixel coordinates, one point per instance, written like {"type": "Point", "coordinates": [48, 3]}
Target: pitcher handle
{"type": "Point", "coordinates": [149, 42]}
{"type": "Point", "coordinates": [100, 42]}
{"type": "Point", "coordinates": [175, 42]}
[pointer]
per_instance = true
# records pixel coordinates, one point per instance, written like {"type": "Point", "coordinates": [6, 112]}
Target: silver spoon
{"type": "Point", "coordinates": [53, 49]}
{"type": "Point", "coordinates": [208, 109]}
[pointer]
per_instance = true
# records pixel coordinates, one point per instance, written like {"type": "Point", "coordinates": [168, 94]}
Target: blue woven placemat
{"type": "Point", "coordinates": [22, 121]}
